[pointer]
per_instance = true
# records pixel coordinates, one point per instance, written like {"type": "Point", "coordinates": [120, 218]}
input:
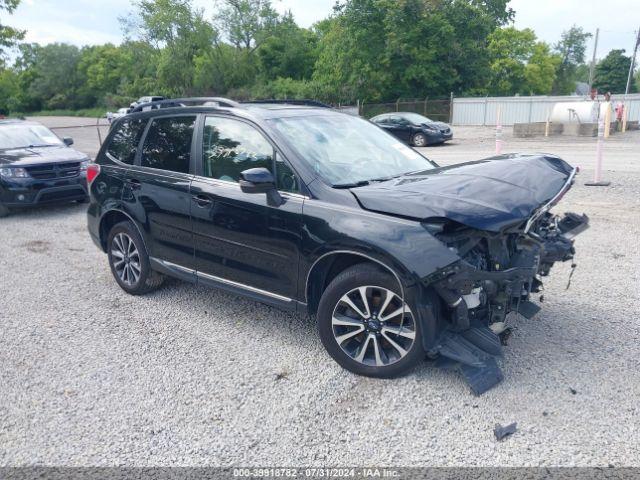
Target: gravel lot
{"type": "Point", "coordinates": [192, 376]}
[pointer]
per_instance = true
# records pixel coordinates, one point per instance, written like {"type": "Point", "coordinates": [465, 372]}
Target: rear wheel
{"type": "Point", "coordinates": [419, 140]}
{"type": "Point", "coordinates": [129, 261]}
{"type": "Point", "coordinates": [365, 325]}
{"type": "Point", "coordinates": [4, 211]}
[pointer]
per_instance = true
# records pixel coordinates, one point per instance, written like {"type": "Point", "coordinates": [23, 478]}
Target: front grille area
{"type": "Point", "coordinates": [56, 170]}
{"type": "Point", "coordinates": [54, 196]}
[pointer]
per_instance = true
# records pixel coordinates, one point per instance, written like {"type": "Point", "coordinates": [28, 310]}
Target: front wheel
{"type": "Point", "coordinates": [366, 327]}
{"type": "Point", "coordinates": [129, 261]}
{"type": "Point", "coordinates": [420, 140]}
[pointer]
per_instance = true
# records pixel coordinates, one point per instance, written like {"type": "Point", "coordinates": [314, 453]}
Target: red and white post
{"type": "Point", "coordinates": [597, 175]}
{"type": "Point", "coordinates": [498, 132]}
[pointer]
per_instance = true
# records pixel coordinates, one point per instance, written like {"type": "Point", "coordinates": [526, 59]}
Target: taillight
{"type": "Point", "coordinates": [93, 170]}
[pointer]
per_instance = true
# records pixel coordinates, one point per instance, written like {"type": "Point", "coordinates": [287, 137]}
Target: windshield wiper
{"type": "Point", "coordinates": [38, 145]}
{"type": "Point", "coordinates": [361, 183]}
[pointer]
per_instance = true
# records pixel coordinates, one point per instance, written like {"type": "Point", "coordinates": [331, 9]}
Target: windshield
{"type": "Point", "coordinates": [416, 118]}
{"type": "Point", "coordinates": [25, 135]}
{"type": "Point", "coordinates": [347, 151]}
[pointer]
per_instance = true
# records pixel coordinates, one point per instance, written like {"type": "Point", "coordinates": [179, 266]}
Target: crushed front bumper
{"type": "Point", "coordinates": [477, 300]}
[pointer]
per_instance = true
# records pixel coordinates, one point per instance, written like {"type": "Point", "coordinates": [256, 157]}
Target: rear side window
{"type": "Point", "coordinates": [125, 140]}
{"type": "Point", "coordinates": [167, 145]}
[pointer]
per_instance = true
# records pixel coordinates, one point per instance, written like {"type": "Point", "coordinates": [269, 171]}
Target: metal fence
{"type": "Point", "coordinates": [484, 110]}
{"type": "Point", "coordinates": [437, 109]}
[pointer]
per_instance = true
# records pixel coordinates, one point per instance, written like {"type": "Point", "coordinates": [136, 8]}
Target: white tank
{"type": "Point", "coordinates": [578, 112]}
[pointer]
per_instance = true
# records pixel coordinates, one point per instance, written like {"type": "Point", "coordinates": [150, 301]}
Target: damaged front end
{"type": "Point", "coordinates": [496, 275]}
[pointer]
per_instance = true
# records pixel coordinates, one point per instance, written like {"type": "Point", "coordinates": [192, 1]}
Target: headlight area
{"type": "Point", "coordinates": [498, 271]}
{"type": "Point", "coordinates": [482, 297]}
{"type": "Point", "coordinates": [13, 172]}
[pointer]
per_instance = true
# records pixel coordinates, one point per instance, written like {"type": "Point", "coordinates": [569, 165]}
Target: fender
{"type": "Point", "coordinates": [403, 247]}
{"type": "Point", "coordinates": [118, 208]}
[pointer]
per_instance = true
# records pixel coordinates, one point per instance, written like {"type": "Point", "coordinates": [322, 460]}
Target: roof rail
{"type": "Point", "coordinates": [183, 102]}
{"type": "Point", "coordinates": [304, 102]}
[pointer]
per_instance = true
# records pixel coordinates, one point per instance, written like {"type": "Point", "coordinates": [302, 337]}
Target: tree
{"type": "Point", "coordinates": [55, 78]}
{"type": "Point", "coordinates": [289, 52]}
{"type": "Point", "coordinates": [381, 49]}
{"type": "Point", "coordinates": [520, 64]}
{"type": "Point", "coordinates": [179, 33]}
{"type": "Point", "coordinates": [9, 91]}
{"type": "Point", "coordinates": [612, 73]}
{"type": "Point", "coordinates": [246, 23]}
{"type": "Point", "coordinates": [540, 70]}
{"type": "Point", "coordinates": [571, 48]}
{"type": "Point", "coordinates": [8, 36]}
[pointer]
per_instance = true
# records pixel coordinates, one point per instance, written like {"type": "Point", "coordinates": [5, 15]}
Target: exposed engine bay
{"type": "Point", "coordinates": [497, 275]}
{"type": "Point", "coordinates": [500, 271]}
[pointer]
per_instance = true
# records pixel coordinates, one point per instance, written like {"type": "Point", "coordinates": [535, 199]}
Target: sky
{"type": "Point", "coordinates": [83, 22]}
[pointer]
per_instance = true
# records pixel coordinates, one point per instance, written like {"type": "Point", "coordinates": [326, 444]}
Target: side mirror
{"type": "Point", "coordinates": [260, 180]}
{"type": "Point", "coordinates": [257, 180]}
{"type": "Point", "coordinates": [68, 141]}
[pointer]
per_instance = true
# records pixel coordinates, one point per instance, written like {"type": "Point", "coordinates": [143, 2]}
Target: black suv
{"type": "Point", "coordinates": [309, 209]}
{"type": "Point", "coordinates": [37, 167]}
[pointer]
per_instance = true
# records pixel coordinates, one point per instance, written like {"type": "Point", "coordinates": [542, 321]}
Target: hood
{"type": "Point", "coordinates": [438, 125]}
{"type": "Point", "coordinates": [40, 155]}
{"type": "Point", "coordinates": [489, 194]}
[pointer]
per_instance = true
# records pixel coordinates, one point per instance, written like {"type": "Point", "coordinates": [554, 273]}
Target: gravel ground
{"type": "Point", "coordinates": [193, 376]}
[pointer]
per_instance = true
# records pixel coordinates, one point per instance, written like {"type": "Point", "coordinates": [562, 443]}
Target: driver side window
{"type": "Point", "coordinates": [230, 146]}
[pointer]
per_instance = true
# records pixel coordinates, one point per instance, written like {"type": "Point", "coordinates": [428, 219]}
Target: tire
{"type": "Point", "coordinates": [345, 331]}
{"type": "Point", "coordinates": [129, 260]}
{"type": "Point", "coordinates": [4, 211]}
{"type": "Point", "coordinates": [420, 140]}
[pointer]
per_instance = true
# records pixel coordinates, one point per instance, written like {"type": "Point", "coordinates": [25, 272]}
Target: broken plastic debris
{"type": "Point", "coordinates": [502, 432]}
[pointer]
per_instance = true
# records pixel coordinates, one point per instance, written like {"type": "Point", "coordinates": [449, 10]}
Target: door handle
{"type": "Point", "coordinates": [134, 183]}
{"type": "Point", "coordinates": [202, 200]}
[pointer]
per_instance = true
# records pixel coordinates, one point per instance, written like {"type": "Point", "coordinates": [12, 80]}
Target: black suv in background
{"type": "Point", "coordinates": [37, 167]}
{"type": "Point", "coordinates": [308, 209]}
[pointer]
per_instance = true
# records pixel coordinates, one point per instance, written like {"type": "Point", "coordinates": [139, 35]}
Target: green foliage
{"type": "Point", "coordinates": [8, 91]}
{"type": "Point", "coordinates": [520, 64]}
{"type": "Point", "coordinates": [382, 49]}
{"type": "Point", "coordinates": [372, 50]}
{"type": "Point", "coordinates": [82, 112]}
{"type": "Point", "coordinates": [246, 23]}
{"type": "Point", "coordinates": [56, 79]}
{"type": "Point", "coordinates": [289, 52]}
{"type": "Point", "coordinates": [612, 73]}
{"type": "Point", "coordinates": [541, 68]}
{"type": "Point", "coordinates": [8, 36]}
{"type": "Point", "coordinates": [179, 34]}
{"type": "Point", "coordinates": [571, 48]}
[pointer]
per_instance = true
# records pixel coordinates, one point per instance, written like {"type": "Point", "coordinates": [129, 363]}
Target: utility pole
{"type": "Point", "coordinates": [633, 64]}
{"type": "Point", "coordinates": [593, 60]}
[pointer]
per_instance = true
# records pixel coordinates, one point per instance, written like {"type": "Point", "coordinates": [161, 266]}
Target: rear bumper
{"type": "Point", "coordinates": [25, 192]}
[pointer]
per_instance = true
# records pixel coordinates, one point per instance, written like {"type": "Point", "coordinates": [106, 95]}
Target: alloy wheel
{"type": "Point", "coordinates": [373, 326]}
{"type": "Point", "coordinates": [419, 140]}
{"type": "Point", "coordinates": [126, 259]}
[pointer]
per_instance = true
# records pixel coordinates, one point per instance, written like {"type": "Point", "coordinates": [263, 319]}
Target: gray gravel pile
{"type": "Point", "coordinates": [193, 376]}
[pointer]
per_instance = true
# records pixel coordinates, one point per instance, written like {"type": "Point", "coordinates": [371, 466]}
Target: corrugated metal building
{"type": "Point", "coordinates": [483, 110]}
